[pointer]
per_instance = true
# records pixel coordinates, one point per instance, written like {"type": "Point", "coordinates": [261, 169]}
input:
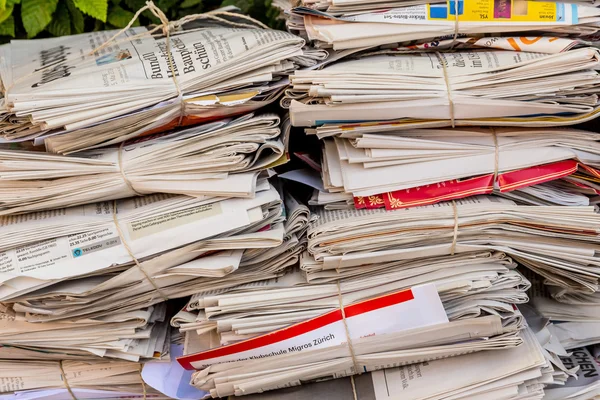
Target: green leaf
{"type": "Point", "coordinates": [244, 5]}
{"type": "Point", "coordinates": [135, 5]}
{"type": "Point", "coordinates": [120, 17]}
{"type": "Point", "coordinates": [148, 14]}
{"type": "Point", "coordinates": [7, 28]}
{"type": "Point", "coordinates": [4, 14]}
{"type": "Point", "coordinates": [61, 23]}
{"type": "Point", "coordinates": [77, 18]}
{"type": "Point", "coordinates": [2, 5]}
{"type": "Point", "coordinates": [190, 3]}
{"type": "Point", "coordinates": [166, 5]}
{"type": "Point", "coordinates": [93, 8]}
{"type": "Point", "coordinates": [99, 26]}
{"type": "Point", "coordinates": [36, 15]}
{"type": "Point", "coordinates": [12, 2]}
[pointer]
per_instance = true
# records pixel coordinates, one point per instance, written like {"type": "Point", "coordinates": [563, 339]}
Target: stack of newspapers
{"type": "Point", "coordinates": [433, 89]}
{"type": "Point", "coordinates": [84, 91]}
{"type": "Point", "coordinates": [375, 166]}
{"type": "Point", "coordinates": [134, 172]}
{"type": "Point", "coordinates": [473, 376]}
{"type": "Point", "coordinates": [452, 189]}
{"type": "Point", "coordinates": [90, 379]}
{"type": "Point", "coordinates": [418, 220]}
{"type": "Point", "coordinates": [350, 24]}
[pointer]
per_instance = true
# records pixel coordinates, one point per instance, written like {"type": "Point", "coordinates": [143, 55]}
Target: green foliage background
{"type": "Point", "coordinates": [44, 18]}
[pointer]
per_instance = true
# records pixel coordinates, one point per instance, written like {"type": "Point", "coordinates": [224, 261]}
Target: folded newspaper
{"type": "Point", "coordinates": [485, 87]}
{"type": "Point", "coordinates": [350, 24]}
{"type": "Point", "coordinates": [81, 91]}
{"type": "Point", "coordinates": [51, 380]}
{"type": "Point", "coordinates": [319, 347]}
{"type": "Point", "coordinates": [405, 168]}
{"type": "Point", "coordinates": [513, 373]}
{"type": "Point", "coordinates": [219, 159]}
{"type": "Point", "coordinates": [560, 243]}
{"type": "Point", "coordinates": [86, 266]}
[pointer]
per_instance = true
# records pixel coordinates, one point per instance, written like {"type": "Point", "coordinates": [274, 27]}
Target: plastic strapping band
{"type": "Point", "coordinates": [350, 346]}
{"type": "Point", "coordinates": [137, 263]}
{"type": "Point", "coordinates": [65, 381]}
{"type": "Point", "coordinates": [455, 234]}
{"type": "Point", "coordinates": [448, 87]}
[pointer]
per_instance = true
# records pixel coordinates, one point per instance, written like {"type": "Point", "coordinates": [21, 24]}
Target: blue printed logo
{"type": "Point", "coordinates": [77, 252]}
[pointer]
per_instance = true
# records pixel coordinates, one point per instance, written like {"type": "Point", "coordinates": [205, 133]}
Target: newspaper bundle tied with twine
{"type": "Point", "coordinates": [381, 165]}
{"type": "Point", "coordinates": [398, 328]}
{"type": "Point", "coordinates": [68, 380]}
{"type": "Point", "coordinates": [117, 255]}
{"type": "Point", "coordinates": [350, 24]}
{"type": "Point", "coordinates": [222, 158]}
{"type": "Point", "coordinates": [470, 285]}
{"type": "Point", "coordinates": [99, 88]}
{"type": "Point", "coordinates": [485, 87]}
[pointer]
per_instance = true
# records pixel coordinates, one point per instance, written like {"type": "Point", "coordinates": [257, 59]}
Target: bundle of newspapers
{"type": "Point", "coordinates": [484, 87]}
{"type": "Point", "coordinates": [440, 239]}
{"type": "Point", "coordinates": [210, 161]}
{"type": "Point", "coordinates": [364, 338]}
{"type": "Point", "coordinates": [79, 261]}
{"type": "Point", "coordinates": [97, 379]}
{"type": "Point", "coordinates": [383, 166]}
{"type": "Point", "coordinates": [83, 91]}
{"type": "Point", "coordinates": [373, 261]}
{"type": "Point", "coordinates": [351, 24]}
{"type": "Point", "coordinates": [540, 368]}
{"type": "Point", "coordinates": [132, 336]}
{"type": "Point", "coordinates": [558, 242]}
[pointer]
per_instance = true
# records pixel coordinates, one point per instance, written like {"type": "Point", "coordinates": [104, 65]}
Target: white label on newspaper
{"type": "Point", "coordinates": [412, 308]}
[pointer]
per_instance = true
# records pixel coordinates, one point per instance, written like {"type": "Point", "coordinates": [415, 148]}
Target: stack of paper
{"type": "Point", "coordinates": [71, 94]}
{"type": "Point", "coordinates": [318, 347]}
{"type": "Point", "coordinates": [492, 87]}
{"type": "Point", "coordinates": [132, 336]}
{"type": "Point", "coordinates": [558, 242]}
{"type": "Point", "coordinates": [96, 379]}
{"type": "Point", "coordinates": [469, 285]}
{"type": "Point", "coordinates": [448, 306]}
{"type": "Point", "coordinates": [223, 159]}
{"type": "Point", "coordinates": [541, 368]}
{"type": "Point", "coordinates": [82, 266]}
{"type": "Point", "coordinates": [392, 168]}
{"type": "Point", "coordinates": [347, 24]}
{"type": "Point", "coordinates": [516, 374]}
